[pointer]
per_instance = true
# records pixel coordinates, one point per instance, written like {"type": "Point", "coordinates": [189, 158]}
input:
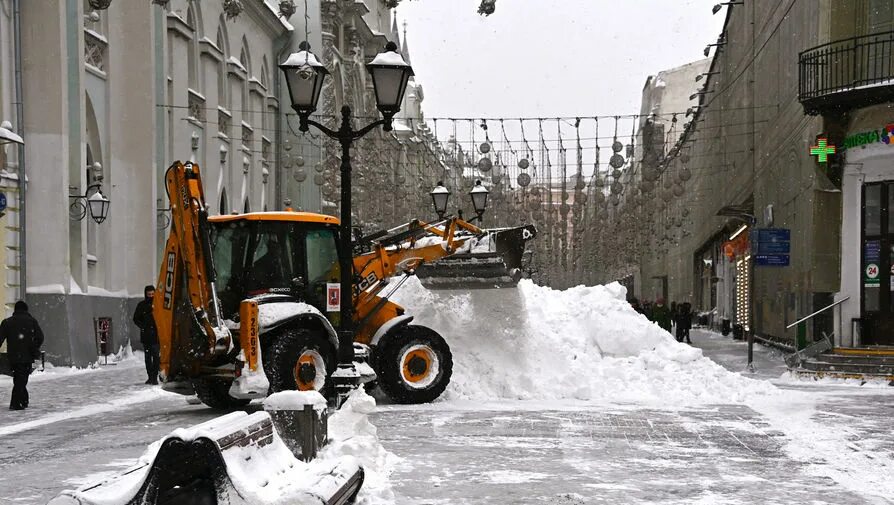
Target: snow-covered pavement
{"type": "Point", "coordinates": [774, 440]}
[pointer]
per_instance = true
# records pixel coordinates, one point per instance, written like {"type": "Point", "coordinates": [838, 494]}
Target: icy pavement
{"type": "Point", "coordinates": [820, 442]}
{"type": "Point", "coordinates": [575, 453]}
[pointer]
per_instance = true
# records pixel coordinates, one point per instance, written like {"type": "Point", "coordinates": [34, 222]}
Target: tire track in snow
{"type": "Point", "coordinates": [87, 411]}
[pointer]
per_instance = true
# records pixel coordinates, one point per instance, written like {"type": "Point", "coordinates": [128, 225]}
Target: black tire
{"type": "Point", "coordinates": [434, 364]}
{"type": "Point", "coordinates": [216, 394]}
{"type": "Point", "coordinates": [283, 354]}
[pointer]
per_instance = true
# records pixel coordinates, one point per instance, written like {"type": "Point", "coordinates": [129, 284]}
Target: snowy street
{"type": "Point", "coordinates": [461, 451]}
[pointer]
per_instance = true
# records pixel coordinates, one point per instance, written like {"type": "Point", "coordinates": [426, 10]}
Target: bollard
{"type": "Point", "coordinates": [301, 419]}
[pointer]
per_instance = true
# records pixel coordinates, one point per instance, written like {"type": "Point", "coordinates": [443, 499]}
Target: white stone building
{"type": "Point", "coordinates": [114, 96]}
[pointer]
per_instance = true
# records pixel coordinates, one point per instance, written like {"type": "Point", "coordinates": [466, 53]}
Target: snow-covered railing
{"type": "Point", "coordinates": [863, 66]}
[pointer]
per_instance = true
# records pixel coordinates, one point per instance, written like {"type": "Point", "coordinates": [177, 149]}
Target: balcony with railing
{"type": "Point", "coordinates": [847, 73]}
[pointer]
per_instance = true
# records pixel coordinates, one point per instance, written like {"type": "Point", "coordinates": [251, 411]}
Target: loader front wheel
{"type": "Point", "coordinates": [300, 360]}
{"type": "Point", "coordinates": [216, 394]}
{"type": "Point", "coordinates": [414, 364]}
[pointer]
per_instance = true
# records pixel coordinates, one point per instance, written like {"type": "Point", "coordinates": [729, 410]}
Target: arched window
{"type": "Point", "coordinates": [193, 56]}
{"type": "Point", "coordinates": [224, 205]}
{"type": "Point", "coordinates": [223, 92]}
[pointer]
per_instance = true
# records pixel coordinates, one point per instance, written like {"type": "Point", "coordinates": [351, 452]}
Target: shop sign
{"type": "Point", "coordinates": [871, 258]}
{"type": "Point", "coordinates": [882, 135]}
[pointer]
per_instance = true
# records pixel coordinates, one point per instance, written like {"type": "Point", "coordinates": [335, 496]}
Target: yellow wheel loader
{"type": "Point", "coordinates": [249, 304]}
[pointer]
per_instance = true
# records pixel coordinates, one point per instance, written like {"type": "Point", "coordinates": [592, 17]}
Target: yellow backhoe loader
{"type": "Point", "coordinates": [250, 304]}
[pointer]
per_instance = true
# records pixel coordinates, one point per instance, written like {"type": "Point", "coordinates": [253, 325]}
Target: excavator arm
{"type": "Point", "coordinates": [193, 340]}
{"type": "Point", "coordinates": [186, 309]}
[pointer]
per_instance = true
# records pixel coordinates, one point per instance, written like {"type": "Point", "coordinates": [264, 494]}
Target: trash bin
{"type": "Point", "coordinates": [738, 332]}
{"type": "Point", "coordinates": [725, 327]}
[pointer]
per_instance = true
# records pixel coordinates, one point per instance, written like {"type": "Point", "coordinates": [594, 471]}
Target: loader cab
{"type": "Point", "coordinates": [261, 255]}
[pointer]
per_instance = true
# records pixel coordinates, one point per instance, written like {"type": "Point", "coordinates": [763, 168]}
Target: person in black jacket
{"type": "Point", "coordinates": [145, 321]}
{"type": "Point", "coordinates": [23, 338]}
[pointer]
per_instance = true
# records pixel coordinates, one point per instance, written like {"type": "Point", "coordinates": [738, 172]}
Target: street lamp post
{"type": "Point", "coordinates": [304, 77]}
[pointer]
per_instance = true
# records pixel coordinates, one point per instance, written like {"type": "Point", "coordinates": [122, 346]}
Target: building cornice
{"type": "Point", "coordinates": [263, 14]}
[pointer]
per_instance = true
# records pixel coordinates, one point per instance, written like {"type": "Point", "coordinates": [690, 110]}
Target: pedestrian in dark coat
{"type": "Point", "coordinates": [685, 320]}
{"type": "Point", "coordinates": [145, 321]}
{"type": "Point", "coordinates": [662, 315]}
{"type": "Point", "coordinates": [23, 338]}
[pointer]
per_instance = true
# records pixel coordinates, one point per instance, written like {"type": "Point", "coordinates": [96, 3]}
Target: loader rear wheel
{"type": "Point", "coordinates": [216, 394]}
{"type": "Point", "coordinates": [414, 364]}
{"type": "Point", "coordinates": [300, 360]}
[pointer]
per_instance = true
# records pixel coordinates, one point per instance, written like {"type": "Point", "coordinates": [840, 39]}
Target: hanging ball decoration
{"type": "Point", "coordinates": [677, 179]}
{"type": "Point", "coordinates": [599, 197]}
{"type": "Point", "coordinates": [581, 199]}
{"type": "Point", "coordinates": [484, 148]}
{"type": "Point", "coordinates": [616, 174]}
{"type": "Point", "coordinates": [615, 200]}
{"type": "Point", "coordinates": [299, 161]}
{"type": "Point", "coordinates": [617, 146]}
{"type": "Point", "coordinates": [685, 158]}
{"type": "Point", "coordinates": [535, 191]}
{"type": "Point", "coordinates": [319, 168]}
{"type": "Point", "coordinates": [299, 175]}
{"type": "Point", "coordinates": [616, 161]}
{"type": "Point", "coordinates": [685, 212]}
{"type": "Point", "coordinates": [485, 164]}
{"type": "Point", "coordinates": [617, 188]}
{"type": "Point", "coordinates": [287, 145]}
{"type": "Point", "coordinates": [523, 180]}
{"type": "Point", "coordinates": [667, 183]}
{"type": "Point", "coordinates": [534, 205]}
{"type": "Point", "coordinates": [287, 161]}
{"type": "Point", "coordinates": [579, 184]}
{"type": "Point", "coordinates": [523, 163]}
{"type": "Point", "coordinates": [666, 196]}
{"type": "Point", "coordinates": [318, 179]}
{"type": "Point", "coordinates": [678, 190]}
{"type": "Point", "coordinates": [646, 186]}
{"type": "Point", "coordinates": [685, 174]}
{"type": "Point", "coordinates": [565, 208]}
{"type": "Point", "coordinates": [650, 174]}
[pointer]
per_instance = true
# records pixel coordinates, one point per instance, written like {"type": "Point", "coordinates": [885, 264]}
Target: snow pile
{"type": "Point", "coordinates": [584, 343]}
{"type": "Point", "coordinates": [351, 434]}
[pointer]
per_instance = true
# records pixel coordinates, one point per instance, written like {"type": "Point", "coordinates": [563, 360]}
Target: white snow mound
{"type": "Point", "coordinates": [583, 343]}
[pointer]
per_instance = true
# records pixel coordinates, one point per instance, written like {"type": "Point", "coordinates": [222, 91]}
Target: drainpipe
{"type": "Point", "coordinates": [20, 129]}
{"type": "Point", "coordinates": [282, 44]}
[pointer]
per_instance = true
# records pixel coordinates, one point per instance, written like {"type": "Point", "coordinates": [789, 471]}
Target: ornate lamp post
{"type": "Point", "coordinates": [479, 199]}
{"type": "Point", "coordinates": [439, 197]}
{"type": "Point", "coordinates": [304, 77]}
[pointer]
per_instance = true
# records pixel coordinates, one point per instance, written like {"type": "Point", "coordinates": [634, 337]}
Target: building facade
{"type": "Point", "coordinates": [114, 96]}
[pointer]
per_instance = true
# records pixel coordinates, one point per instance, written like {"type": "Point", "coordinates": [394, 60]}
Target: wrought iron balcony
{"type": "Point", "coordinates": [847, 73]}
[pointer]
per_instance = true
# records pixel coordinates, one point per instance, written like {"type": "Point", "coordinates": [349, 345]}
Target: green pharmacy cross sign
{"type": "Point", "coordinates": [822, 150]}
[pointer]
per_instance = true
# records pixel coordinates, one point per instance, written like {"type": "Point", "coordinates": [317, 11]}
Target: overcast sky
{"type": "Point", "coordinates": [536, 58]}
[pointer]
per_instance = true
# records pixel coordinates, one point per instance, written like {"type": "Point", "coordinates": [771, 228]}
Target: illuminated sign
{"type": "Point", "coordinates": [822, 150]}
{"type": "Point", "coordinates": [884, 135]}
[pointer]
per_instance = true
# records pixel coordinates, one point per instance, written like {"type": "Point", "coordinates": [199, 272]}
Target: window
{"type": "Point", "coordinates": [322, 256]}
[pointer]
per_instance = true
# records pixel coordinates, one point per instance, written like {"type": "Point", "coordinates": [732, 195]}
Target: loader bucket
{"type": "Point", "coordinates": [495, 260]}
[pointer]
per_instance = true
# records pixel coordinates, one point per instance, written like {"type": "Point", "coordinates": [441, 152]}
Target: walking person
{"type": "Point", "coordinates": [23, 338]}
{"type": "Point", "coordinates": [662, 315]}
{"type": "Point", "coordinates": [145, 321]}
{"type": "Point", "coordinates": [679, 329]}
{"type": "Point", "coordinates": [686, 320]}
